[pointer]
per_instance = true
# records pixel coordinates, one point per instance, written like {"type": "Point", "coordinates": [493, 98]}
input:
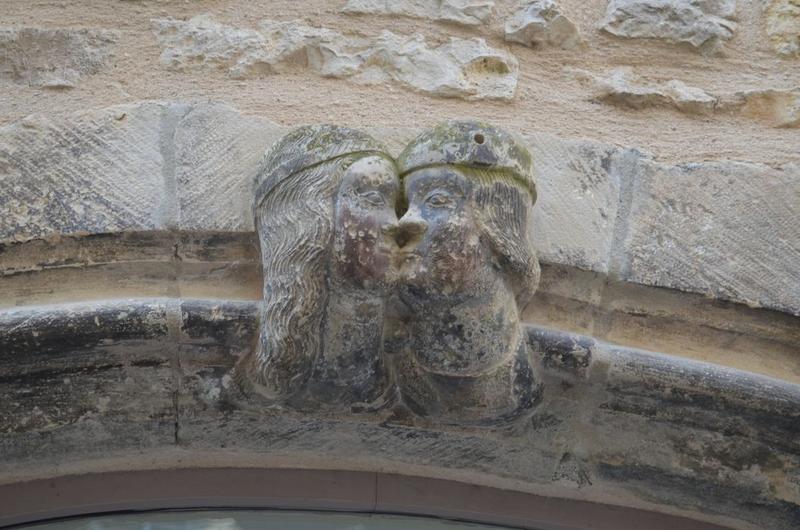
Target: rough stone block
{"type": "Point", "coordinates": [52, 58]}
{"type": "Point", "coordinates": [782, 24]}
{"type": "Point", "coordinates": [201, 42]}
{"type": "Point", "coordinates": [726, 229]}
{"type": "Point", "coordinates": [467, 12]}
{"type": "Point", "coordinates": [620, 87]}
{"type": "Point", "coordinates": [779, 108]}
{"type": "Point", "coordinates": [467, 68]}
{"type": "Point", "coordinates": [700, 23]}
{"type": "Point", "coordinates": [541, 22]}
{"type": "Point", "coordinates": [97, 171]}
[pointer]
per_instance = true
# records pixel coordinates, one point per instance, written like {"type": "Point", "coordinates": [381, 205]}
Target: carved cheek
{"type": "Point", "coordinates": [454, 251]}
{"type": "Point", "coordinates": [360, 253]}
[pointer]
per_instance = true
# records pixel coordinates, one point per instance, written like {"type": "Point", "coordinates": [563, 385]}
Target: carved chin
{"type": "Point", "coordinates": [368, 277]}
{"type": "Point", "coordinates": [366, 268]}
{"type": "Point", "coordinates": [450, 263]}
{"type": "Point", "coordinates": [440, 276]}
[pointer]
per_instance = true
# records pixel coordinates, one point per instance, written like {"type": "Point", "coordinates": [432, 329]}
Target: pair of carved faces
{"type": "Point", "coordinates": [346, 232]}
{"type": "Point", "coordinates": [434, 250]}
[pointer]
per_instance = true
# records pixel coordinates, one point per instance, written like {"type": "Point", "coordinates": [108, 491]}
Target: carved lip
{"type": "Point", "coordinates": [405, 256]}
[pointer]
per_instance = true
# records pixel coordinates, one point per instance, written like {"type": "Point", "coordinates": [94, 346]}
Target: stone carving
{"type": "Point", "coordinates": [467, 263]}
{"type": "Point", "coordinates": [324, 200]}
{"type": "Point", "coordinates": [360, 307]}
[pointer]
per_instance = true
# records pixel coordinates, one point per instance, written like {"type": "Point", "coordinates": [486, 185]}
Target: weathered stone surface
{"type": "Point", "coordinates": [71, 268]}
{"type": "Point", "coordinates": [467, 12]}
{"type": "Point", "coordinates": [466, 264]}
{"type": "Point", "coordinates": [152, 166]}
{"type": "Point", "coordinates": [324, 203]}
{"type": "Point", "coordinates": [466, 68]}
{"type": "Point", "coordinates": [700, 23]}
{"type": "Point", "coordinates": [620, 87]}
{"type": "Point", "coordinates": [587, 176]}
{"type": "Point", "coordinates": [99, 171]}
{"type": "Point", "coordinates": [201, 43]}
{"type": "Point", "coordinates": [779, 108]}
{"type": "Point", "coordinates": [86, 377]}
{"type": "Point", "coordinates": [147, 166]}
{"type": "Point", "coordinates": [713, 419]}
{"type": "Point", "coordinates": [726, 229]}
{"type": "Point", "coordinates": [782, 24]}
{"type": "Point", "coordinates": [774, 107]}
{"type": "Point", "coordinates": [217, 154]}
{"type": "Point", "coordinates": [540, 22]}
{"type": "Point", "coordinates": [328, 52]}
{"type": "Point", "coordinates": [563, 355]}
{"type": "Point", "coordinates": [52, 58]}
{"type": "Point", "coordinates": [703, 441]}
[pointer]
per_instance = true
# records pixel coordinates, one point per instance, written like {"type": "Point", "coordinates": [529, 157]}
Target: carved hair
{"type": "Point", "coordinates": [504, 210]}
{"type": "Point", "coordinates": [295, 223]}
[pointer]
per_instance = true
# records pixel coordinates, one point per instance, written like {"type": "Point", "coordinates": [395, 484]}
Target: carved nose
{"type": "Point", "coordinates": [409, 230]}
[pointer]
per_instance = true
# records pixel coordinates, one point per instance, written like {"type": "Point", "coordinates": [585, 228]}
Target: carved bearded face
{"type": "Point", "coordinates": [441, 252]}
{"type": "Point", "coordinates": [364, 219]}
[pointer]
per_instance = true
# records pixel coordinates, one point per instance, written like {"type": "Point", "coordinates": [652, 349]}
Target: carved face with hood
{"type": "Point", "coordinates": [469, 189]}
{"type": "Point", "coordinates": [324, 208]}
{"type": "Point", "coordinates": [467, 264]}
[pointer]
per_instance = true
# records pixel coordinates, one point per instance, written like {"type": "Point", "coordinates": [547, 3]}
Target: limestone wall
{"type": "Point", "coordinates": [717, 80]}
{"type": "Point", "coordinates": [694, 260]}
{"type": "Point", "coordinates": [665, 135]}
{"type": "Point", "coordinates": [665, 138]}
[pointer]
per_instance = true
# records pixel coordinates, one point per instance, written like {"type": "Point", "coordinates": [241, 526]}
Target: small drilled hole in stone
{"type": "Point", "coordinates": [479, 138]}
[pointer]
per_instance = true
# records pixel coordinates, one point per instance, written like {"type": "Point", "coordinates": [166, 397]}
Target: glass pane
{"type": "Point", "coordinates": [255, 520]}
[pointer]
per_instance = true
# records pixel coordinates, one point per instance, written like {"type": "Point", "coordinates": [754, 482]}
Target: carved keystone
{"type": "Point", "coordinates": [360, 308]}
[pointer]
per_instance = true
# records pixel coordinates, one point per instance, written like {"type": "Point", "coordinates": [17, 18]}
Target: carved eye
{"type": "Point", "coordinates": [439, 199]}
{"type": "Point", "coordinates": [372, 198]}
